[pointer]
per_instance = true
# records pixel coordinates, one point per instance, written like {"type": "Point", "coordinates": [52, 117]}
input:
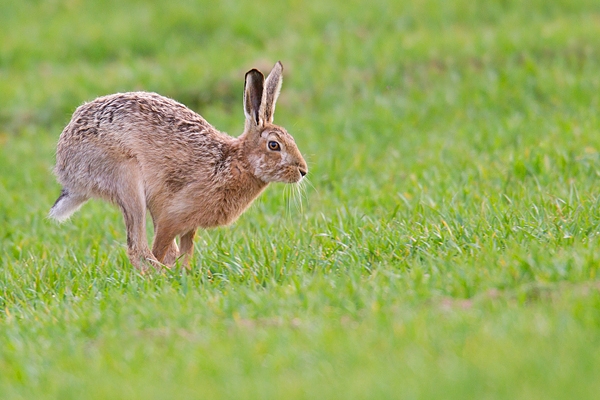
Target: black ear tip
{"type": "Point", "coordinates": [255, 73]}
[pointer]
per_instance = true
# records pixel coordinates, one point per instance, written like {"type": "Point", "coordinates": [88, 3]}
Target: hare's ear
{"type": "Point", "coordinates": [253, 93]}
{"type": "Point", "coordinates": [271, 92]}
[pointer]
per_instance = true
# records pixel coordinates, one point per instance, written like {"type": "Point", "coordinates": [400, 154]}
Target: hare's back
{"type": "Point", "coordinates": [135, 122]}
{"type": "Point", "coordinates": [125, 113]}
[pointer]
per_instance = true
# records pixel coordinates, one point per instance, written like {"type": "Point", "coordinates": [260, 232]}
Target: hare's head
{"type": "Point", "coordinates": [271, 151]}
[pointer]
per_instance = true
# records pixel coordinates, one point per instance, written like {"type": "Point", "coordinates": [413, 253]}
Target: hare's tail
{"type": "Point", "coordinates": [66, 204]}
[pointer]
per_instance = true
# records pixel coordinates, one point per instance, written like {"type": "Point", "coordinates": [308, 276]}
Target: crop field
{"type": "Point", "coordinates": [446, 243]}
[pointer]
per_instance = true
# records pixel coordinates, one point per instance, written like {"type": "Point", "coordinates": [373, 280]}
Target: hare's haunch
{"type": "Point", "coordinates": [142, 151]}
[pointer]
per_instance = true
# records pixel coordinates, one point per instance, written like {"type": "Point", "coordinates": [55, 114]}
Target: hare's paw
{"type": "Point", "coordinates": [144, 261]}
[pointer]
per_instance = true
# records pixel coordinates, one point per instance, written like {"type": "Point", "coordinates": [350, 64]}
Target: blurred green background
{"type": "Point", "coordinates": [446, 245]}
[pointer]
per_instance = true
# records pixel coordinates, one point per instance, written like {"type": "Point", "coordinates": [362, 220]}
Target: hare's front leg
{"type": "Point", "coordinates": [165, 248]}
{"type": "Point", "coordinates": [172, 250]}
{"type": "Point", "coordinates": [187, 247]}
{"type": "Point", "coordinates": [171, 254]}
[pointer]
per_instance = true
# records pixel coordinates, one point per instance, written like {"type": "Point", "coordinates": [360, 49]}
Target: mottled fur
{"type": "Point", "coordinates": [143, 151]}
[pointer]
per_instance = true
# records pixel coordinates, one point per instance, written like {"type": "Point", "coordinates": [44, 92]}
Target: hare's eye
{"type": "Point", "coordinates": [273, 145]}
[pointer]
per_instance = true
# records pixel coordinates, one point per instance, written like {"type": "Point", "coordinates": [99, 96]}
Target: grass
{"type": "Point", "coordinates": [447, 246]}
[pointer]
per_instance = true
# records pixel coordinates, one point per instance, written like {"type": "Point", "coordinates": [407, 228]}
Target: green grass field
{"type": "Point", "coordinates": [447, 246]}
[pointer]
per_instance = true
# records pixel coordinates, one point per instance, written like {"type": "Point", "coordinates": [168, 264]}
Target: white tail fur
{"type": "Point", "coordinates": [65, 206]}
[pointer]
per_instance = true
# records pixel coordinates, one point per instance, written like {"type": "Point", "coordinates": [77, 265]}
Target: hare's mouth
{"type": "Point", "coordinates": [290, 174]}
{"type": "Point", "coordinates": [300, 173]}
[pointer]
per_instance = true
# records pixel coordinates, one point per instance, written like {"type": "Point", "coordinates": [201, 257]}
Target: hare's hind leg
{"type": "Point", "coordinates": [132, 202]}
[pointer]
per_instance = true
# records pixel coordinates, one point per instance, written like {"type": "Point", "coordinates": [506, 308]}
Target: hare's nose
{"type": "Point", "coordinates": [302, 171]}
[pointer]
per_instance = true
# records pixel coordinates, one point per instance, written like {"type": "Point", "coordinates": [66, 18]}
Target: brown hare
{"type": "Point", "coordinates": [142, 151]}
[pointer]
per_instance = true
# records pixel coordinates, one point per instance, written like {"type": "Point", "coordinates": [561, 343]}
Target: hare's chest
{"type": "Point", "coordinates": [226, 207]}
{"type": "Point", "coordinates": [216, 204]}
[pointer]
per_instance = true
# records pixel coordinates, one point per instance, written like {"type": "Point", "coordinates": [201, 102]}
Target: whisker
{"type": "Point", "coordinates": [300, 193]}
{"type": "Point", "coordinates": [308, 182]}
{"type": "Point", "coordinates": [304, 189]}
{"type": "Point", "coordinates": [287, 192]}
{"type": "Point", "coordinates": [298, 197]}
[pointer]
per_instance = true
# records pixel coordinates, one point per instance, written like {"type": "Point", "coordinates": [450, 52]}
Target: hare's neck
{"type": "Point", "coordinates": [241, 187]}
{"type": "Point", "coordinates": [244, 185]}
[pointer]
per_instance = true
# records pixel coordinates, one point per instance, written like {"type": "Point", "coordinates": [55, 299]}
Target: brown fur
{"type": "Point", "coordinates": [143, 151]}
